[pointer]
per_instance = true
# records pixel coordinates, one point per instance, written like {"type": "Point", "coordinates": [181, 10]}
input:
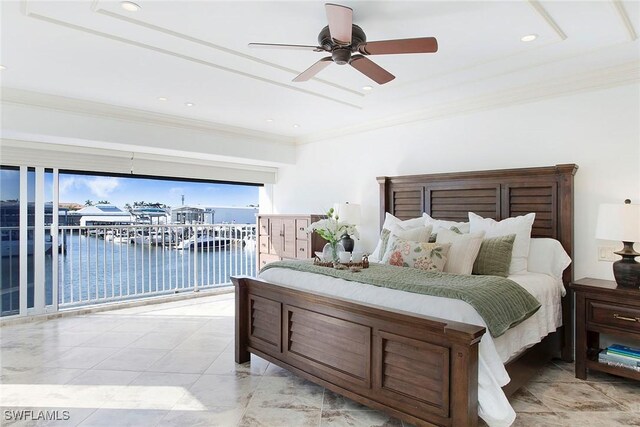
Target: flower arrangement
{"type": "Point", "coordinates": [332, 229]}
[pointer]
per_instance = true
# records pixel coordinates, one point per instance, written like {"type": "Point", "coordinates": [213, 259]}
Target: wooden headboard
{"type": "Point", "coordinates": [497, 194]}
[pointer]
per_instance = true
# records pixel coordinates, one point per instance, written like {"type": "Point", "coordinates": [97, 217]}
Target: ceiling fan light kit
{"type": "Point", "coordinates": [347, 44]}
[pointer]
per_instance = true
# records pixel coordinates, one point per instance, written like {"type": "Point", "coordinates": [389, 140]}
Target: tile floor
{"type": "Point", "coordinates": [172, 364]}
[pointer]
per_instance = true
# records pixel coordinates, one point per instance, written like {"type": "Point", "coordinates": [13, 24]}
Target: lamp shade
{"type": "Point", "coordinates": [619, 222]}
{"type": "Point", "coordinates": [348, 212]}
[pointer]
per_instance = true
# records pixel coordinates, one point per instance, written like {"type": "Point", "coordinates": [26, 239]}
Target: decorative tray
{"type": "Point", "coordinates": [343, 265]}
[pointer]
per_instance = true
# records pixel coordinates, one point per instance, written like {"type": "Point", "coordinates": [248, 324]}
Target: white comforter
{"type": "Point", "coordinates": [494, 408]}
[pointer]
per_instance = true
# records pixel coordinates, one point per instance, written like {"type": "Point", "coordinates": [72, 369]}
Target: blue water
{"type": "Point", "coordinates": [92, 269]}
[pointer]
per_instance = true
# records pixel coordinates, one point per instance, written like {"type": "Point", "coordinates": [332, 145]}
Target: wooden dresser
{"type": "Point", "coordinates": [285, 237]}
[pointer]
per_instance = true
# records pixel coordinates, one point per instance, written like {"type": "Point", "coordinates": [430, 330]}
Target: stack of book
{"type": "Point", "coordinates": [619, 355]}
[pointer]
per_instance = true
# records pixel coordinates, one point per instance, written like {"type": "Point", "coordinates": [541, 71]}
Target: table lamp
{"type": "Point", "coordinates": [349, 213]}
{"type": "Point", "coordinates": [622, 222]}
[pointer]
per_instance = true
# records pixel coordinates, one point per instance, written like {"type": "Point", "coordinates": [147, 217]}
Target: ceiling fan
{"type": "Point", "coordinates": [347, 44]}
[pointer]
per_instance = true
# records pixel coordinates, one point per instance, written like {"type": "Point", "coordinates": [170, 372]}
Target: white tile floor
{"type": "Point", "coordinates": [172, 364]}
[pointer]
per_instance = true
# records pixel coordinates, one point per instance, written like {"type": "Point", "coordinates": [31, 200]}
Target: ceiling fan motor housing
{"type": "Point", "coordinates": [357, 37]}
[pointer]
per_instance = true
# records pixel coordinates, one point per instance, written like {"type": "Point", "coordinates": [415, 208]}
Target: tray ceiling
{"type": "Point", "coordinates": [196, 52]}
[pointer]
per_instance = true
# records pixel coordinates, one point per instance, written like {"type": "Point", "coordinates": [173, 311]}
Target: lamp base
{"type": "Point", "coordinates": [627, 270]}
{"type": "Point", "coordinates": [348, 243]}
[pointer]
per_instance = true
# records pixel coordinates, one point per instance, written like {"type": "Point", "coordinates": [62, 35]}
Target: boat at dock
{"type": "Point", "coordinates": [203, 240]}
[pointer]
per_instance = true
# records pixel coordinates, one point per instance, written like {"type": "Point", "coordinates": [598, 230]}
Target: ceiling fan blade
{"type": "Point", "coordinates": [390, 47]}
{"type": "Point", "coordinates": [371, 69]}
{"type": "Point", "coordinates": [340, 22]}
{"type": "Point", "coordinates": [287, 46]}
{"type": "Point", "coordinates": [313, 70]}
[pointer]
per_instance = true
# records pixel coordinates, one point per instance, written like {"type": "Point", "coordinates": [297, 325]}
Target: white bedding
{"type": "Point", "coordinates": [494, 408]}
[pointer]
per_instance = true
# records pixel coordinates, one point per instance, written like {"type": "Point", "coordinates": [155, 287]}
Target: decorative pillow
{"type": "Point", "coordinates": [440, 223]}
{"type": "Point", "coordinates": [416, 234]}
{"type": "Point", "coordinates": [463, 252]}
{"type": "Point", "coordinates": [494, 256]}
{"type": "Point", "coordinates": [520, 226]}
{"type": "Point", "coordinates": [389, 221]}
{"type": "Point", "coordinates": [421, 255]}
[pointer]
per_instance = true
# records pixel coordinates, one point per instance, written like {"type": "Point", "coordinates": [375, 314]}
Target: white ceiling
{"type": "Point", "coordinates": [196, 51]}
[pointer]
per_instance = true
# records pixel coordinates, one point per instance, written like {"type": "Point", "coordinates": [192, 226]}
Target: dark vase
{"type": "Point", "coordinates": [347, 243]}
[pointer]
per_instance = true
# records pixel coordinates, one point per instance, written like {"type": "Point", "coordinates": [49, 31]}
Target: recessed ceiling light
{"type": "Point", "coordinates": [189, 104]}
{"type": "Point", "coordinates": [162, 98]}
{"type": "Point", "coordinates": [529, 37]}
{"type": "Point", "coordinates": [269, 120]}
{"type": "Point", "coordinates": [367, 88]}
{"type": "Point", "coordinates": [129, 6]}
{"type": "Point", "coordinates": [296, 125]}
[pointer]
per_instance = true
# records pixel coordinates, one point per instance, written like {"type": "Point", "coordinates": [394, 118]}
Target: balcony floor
{"type": "Point", "coordinates": [172, 364]}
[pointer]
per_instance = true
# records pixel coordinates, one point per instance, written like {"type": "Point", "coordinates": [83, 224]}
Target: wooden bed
{"type": "Point", "coordinates": [421, 369]}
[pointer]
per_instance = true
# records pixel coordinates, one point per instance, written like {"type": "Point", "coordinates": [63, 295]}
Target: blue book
{"type": "Point", "coordinates": [620, 349]}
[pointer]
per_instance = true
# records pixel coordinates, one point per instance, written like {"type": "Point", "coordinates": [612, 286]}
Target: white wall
{"type": "Point", "coordinates": [599, 131]}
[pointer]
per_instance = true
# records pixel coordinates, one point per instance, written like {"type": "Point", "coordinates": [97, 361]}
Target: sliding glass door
{"type": "Point", "coordinates": [28, 209]}
{"type": "Point", "coordinates": [10, 241]}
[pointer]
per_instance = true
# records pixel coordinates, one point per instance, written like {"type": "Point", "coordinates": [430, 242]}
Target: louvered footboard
{"type": "Point", "coordinates": [420, 369]}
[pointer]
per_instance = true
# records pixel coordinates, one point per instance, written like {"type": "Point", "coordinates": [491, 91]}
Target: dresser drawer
{"type": "Point", "coordinates": [263, 226]}
{"type": "Point", "coordinates": [301, 229]}
{"type": "Point", "coordinates": [265, 245]}
{"type": "Point", "coordinates": [265, 259]}
{"type": "Point", "coordinates": [302, 249]}
{"type": "Point", "coordinates": [615, 315]}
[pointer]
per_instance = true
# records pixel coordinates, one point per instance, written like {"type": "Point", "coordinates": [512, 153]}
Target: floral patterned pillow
{"type": "Point", "coordinates": [421, 255]}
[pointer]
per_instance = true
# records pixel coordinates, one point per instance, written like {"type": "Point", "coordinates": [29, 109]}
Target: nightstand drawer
{"type": "Point", "coordinates": [616, 315]}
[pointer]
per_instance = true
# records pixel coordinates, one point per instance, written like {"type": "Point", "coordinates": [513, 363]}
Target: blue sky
{"type": "Point", "coordinates": [119, 191]}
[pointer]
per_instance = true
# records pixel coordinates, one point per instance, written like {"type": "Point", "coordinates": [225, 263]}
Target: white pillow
{"type": "Point", "coordinates": [404, 232]}
{"type": "Point", "coordinates": [520, 226]}
{"type": "Point", "coordinates": [389, 221]}
{"type": "Point", "coordinates": [463, 252]}
{"type": "Point", "coordinates": [440, 223]}
{"type": "Point", "coordinates": [547, 256]}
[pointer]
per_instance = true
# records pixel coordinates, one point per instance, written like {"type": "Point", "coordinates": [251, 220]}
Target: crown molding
{"type": "Point", "coordinates": [597, 80]}
{"type": "Point", "coordinates": [97, 109]}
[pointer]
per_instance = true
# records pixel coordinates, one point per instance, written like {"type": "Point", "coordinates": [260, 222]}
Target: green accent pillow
{"type": "Point", "coordinates": [384, 238]}
{"type": "Point", "coordinates": [434, 236]}
{"type": "Point", "coordinates": [494, 257]}
{"type": "Point", "coordinates": [455, 229]}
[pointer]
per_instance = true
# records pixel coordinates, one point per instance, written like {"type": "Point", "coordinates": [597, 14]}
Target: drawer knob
{"type": "Point", "coordinates": [301, 249]}
{"type": "Point", "coordinates": [628, 319]}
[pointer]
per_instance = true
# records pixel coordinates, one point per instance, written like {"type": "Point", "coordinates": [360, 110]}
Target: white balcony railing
{"type": "Point", "coordinates": [109, 263]}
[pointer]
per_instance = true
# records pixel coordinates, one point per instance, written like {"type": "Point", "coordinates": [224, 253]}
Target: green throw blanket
{"type": "Point", "coordinates": [501, 302]}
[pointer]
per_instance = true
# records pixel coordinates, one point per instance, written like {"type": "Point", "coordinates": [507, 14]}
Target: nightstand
{"type": "Point", "coordinates": [603, 307]}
